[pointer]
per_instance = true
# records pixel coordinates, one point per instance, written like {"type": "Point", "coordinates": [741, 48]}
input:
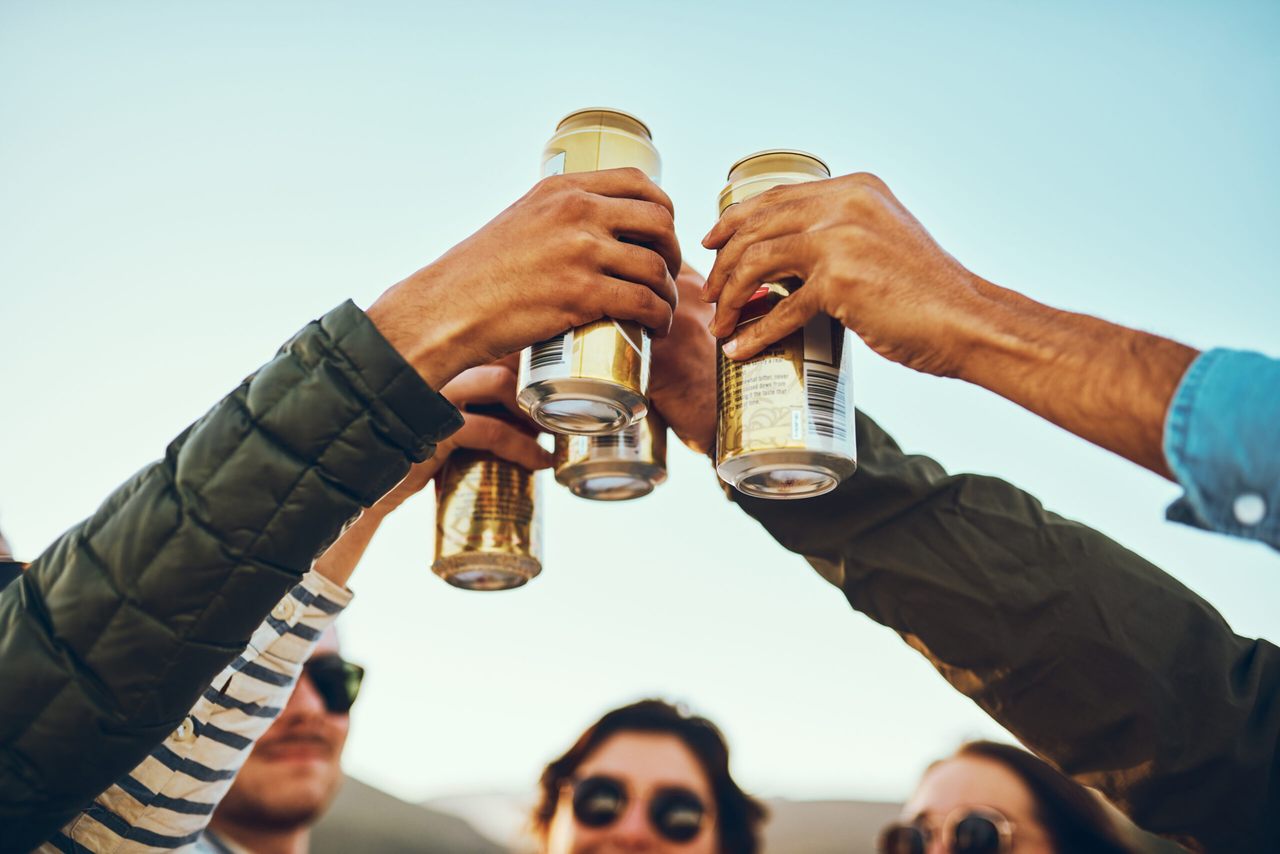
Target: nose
{"type": "Point", "coordinates": [632, 832]}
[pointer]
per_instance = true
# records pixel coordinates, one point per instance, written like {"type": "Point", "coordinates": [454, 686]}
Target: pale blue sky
{"type": "Point", "coordinates": [183, 185]}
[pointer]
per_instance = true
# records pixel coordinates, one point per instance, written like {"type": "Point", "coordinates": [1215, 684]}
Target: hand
{"type": "Point", "coordinates": [863, 259]}
{"type": "Point", "coordinates": [574, 249]}
{"type": "Point", "coordinates": [494, 383]}
{"type": "Point", "coordinates": [682, 380]}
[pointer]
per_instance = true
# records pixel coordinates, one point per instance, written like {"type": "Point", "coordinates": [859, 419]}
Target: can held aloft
{"type": "Point", "coordinates": [617, 467]}
{"type": "Point", "coordinates": [488, 524]}
{"type": "Point", "coordinates": [592, 380]}
{"type": "Point", "coordinates": [784, 422]}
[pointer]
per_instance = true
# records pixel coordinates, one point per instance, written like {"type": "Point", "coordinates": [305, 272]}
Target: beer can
{"type": "Point", "coordinates": [784, 421]}
{"type": "Point", "coordinates": [488, 525]}
{"type": "Point", "coordinates": [592, 379]}
{"type": "Point", "coordinates": [617, 467]}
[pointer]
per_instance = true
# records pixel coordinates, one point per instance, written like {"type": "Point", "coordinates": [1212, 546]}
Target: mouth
{"type": "Point", "coordinates": [297, 749]}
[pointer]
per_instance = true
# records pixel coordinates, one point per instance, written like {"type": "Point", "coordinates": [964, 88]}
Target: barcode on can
{"type": "Point", "coordinates": [549, 353]}
{"type": "Point", "coordinates": [828, 400]}
{"type": "Point", "coordinates": [628, 439]}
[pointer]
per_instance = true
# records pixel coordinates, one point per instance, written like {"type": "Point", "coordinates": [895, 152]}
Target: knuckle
{"type": "Point", "coordinates": [773, 195]}
{"type": "Point", "coordinates": [870, 180]}
{"type": "Point", "coordinates": [633, 174]}
{"type": "Point", "coordinates": [753, 256]}
{"type": "Point", "coordinates": [581, 244]}
{"type": "Point", "coordinates": [655, 268]}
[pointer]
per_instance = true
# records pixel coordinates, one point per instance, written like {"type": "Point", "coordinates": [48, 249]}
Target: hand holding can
{"type": "Point", "coordinates": [592, 379]}
{"type": "Point", "coordinates": [784, 424]}
{"type": "Point", "coordinates": [573, 250]}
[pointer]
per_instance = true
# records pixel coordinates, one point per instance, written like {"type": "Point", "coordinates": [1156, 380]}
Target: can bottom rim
{"type": "Point", "coordinates": [583, 407]}
{"type": "Point", "coordinates": [487, 571]}
{"type": "Point", "coordinates": [786, 474]}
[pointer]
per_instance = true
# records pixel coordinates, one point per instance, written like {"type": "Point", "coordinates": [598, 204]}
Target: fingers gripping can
{"type": "Point", "coordinates": [617, 467]}
{"type": "Point", "coordinates": [592, 379]}
{"type": "Point", "coordinates": [488, 525]}
{"type": "Point", "coordinates": [784, 422]}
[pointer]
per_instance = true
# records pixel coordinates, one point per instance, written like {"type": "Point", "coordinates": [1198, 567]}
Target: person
{"type": "Point", "coordinates": [257, 759]}
{"type": "Point", "coordinates": [116, 629]}
{"type": "Point", "coordinates": [1092, 657]}
{"type": "Point", "coordinates": [1204, 420]}
{"type": "Point", "coordinates": [648, 776]}
{"type": "Point", "coordinates": [992, 798]}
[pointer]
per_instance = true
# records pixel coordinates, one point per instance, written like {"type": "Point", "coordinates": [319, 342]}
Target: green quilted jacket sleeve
{"type": "Point", "coordinates": [1089, 654]}
{"type": "Point", "coordinates": [110, 636]}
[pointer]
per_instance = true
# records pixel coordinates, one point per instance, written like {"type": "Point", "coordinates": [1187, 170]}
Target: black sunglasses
{"type": "Point", "coordinates": [965, 831]}
{"type": "Point", "coordinates": [675, 813]}
{"type": "Point", "coordinates": [337, 680]}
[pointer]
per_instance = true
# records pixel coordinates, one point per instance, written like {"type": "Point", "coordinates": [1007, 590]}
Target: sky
{"type": "Point", "coordinates": [184, 185]}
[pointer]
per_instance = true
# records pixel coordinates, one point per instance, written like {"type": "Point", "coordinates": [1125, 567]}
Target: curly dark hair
{"type": "Point", "coordinates": [1076, 821]}
{"type": "Point", "coordinates": [738, 815]}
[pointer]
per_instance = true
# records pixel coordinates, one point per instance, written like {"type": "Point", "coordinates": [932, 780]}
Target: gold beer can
{"type": "Point", "coordinates": [488, 526]}
{"type": "Point", "coordinates": [616, 467]}
{"type": "Point", "coordinates": [784, 421]}
{"type": "Point", "coordinates": [592, 380]}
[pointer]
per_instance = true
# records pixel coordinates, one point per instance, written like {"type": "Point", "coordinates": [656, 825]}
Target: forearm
{"type": "Point", "coordinates": [1105, 383]}
{"type": "Point", "coordinates": [339, 561]}
{"type": "Point", "coordinates": [1086, 652]}
{"type": "Point", "coordinates": [124, 620]}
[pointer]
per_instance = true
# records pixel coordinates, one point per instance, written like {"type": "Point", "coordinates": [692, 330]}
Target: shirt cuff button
{"type": "Point", "coordinates": [1249, 509]}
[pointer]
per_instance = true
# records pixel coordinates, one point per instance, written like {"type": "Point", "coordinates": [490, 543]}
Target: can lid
{"type": "Point", "coordinates": [770, 152]}
{"type": "Point", "coordinates": [615, 112]}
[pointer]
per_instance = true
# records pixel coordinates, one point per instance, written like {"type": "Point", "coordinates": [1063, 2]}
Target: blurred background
{"type": "Point", "coordinates": [184, 185]}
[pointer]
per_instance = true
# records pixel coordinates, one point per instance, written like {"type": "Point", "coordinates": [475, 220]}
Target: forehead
{"type": "Point", "coordinates": [648, 761]}
{"type": "Point", "coordinates": [969, 781]}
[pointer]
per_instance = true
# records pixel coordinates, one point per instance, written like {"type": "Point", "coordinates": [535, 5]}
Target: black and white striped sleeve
{"type": "Point", "coordinates": [165, 802]}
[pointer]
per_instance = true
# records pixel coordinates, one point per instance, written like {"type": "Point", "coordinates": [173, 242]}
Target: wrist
{"type": "Point", "coordinates": [998, 332]}
{"type": "Point", "coordinates": [426, 329]}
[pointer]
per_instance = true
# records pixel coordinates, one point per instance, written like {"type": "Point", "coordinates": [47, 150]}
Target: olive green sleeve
{"type": "Point", "coordinates": [109, 637]}
{"type": "Point", "coordinates": [1089, 654]}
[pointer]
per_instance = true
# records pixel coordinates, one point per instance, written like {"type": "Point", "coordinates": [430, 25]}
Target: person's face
{"type": "Point", "coordinates": [647, 764]}
{"type": "Point", "coordinates": [964, 783]}
{"type": "Point", "coordinates": [294, 770]}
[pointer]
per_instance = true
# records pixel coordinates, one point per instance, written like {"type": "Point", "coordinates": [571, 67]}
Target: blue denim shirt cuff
{"type": "Point", "coordinates": [1222, 443]}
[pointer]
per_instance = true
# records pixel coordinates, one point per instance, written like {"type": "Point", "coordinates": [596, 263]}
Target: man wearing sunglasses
{"type": "Point", "coordinates": [294, 771]}
{"type": "Point", "coordinates": [280, 744]}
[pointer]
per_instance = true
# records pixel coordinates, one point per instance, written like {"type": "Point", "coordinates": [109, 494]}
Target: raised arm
{"type": "Point", "coordinates": [1092, 656]}
{"type": "Point", "coordinates": [117, 628]}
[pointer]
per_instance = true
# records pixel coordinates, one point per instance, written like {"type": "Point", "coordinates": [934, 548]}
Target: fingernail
{"type": "Point", "coordinates": [731, 347]}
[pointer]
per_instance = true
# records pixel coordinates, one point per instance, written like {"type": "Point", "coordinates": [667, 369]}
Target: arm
{"type": "Point", "coordinates": [168, 799]}
{"type": "Point", "coordinates": [867, 262]}
{"type": "Point", "coordinates": [117, 628]}
{"type": "Point", "coordinates": [1092, 656]}
{"type": "Point", "coordinates": [1095, 658]}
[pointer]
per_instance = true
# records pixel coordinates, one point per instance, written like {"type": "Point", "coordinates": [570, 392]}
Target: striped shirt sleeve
{"type": "Point", "coordinates": [166, 801]}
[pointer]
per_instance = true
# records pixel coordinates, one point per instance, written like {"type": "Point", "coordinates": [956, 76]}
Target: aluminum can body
{"type": "Point", "coordinates": [616, 467]}
{"type": "Point", "coordinates": [784, 418]}
{"type": "Point", "coordinates": [592, 379]}
{"type": "Point", "coordinates": [488, 523]}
